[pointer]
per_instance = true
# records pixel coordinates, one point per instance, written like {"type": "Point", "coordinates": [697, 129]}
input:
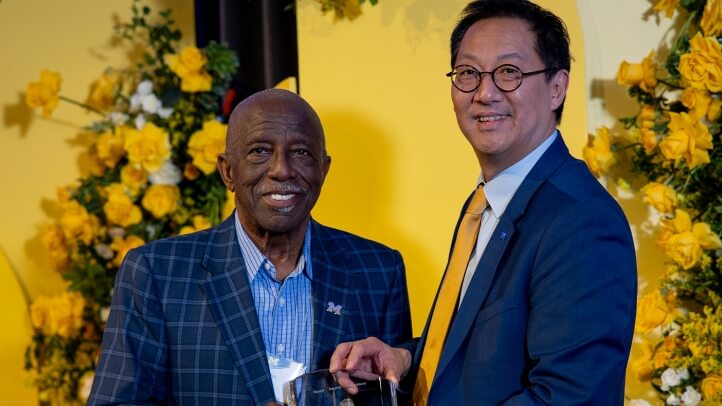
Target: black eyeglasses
{"type": "Point", "coordinates": [506, 78]}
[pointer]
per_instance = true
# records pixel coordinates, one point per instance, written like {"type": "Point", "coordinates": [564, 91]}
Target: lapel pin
{"type": "Point", "coordinates": [332, 308]}
{"type": "Point", "coordinates": [503, 235]}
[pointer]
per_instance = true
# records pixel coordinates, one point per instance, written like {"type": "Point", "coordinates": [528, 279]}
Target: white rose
{"type": "Point", "coordinates": [168, 174]}
{"type": "Point", "coordinates": [118, 118]}
{"type": "Point", "coordinates": [150, 103]}
{"type": "Point", "coordinates": [670, 378]}
{"type": "Point", "coordinates": [140, 121]}
{"type": "Point", "coordinates": [673, 400]}
{"type": "Point", "coordinates": [165, 112]}
{"type": "Point", "coordinates": [145, 88]}
{"type": "Point", "coordinates": [691, 397]}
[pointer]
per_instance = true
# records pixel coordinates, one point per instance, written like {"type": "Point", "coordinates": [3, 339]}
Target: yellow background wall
{"type": "Point", "coordinates": [401, 168]}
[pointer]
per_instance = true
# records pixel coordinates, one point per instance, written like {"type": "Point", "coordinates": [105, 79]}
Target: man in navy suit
{"type": "Point", "coordinates": [544, 310]}
{"type": "Point", "coordinates": [225, 315]}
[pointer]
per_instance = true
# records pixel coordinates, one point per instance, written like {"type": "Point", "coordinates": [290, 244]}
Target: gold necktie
{"type": "Point", "coordinates": [446, 302]}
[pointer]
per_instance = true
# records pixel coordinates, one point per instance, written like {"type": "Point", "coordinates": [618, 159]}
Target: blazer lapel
{"type": "Point", "coordinates": [330, 294]}
{"type": "Point", "coordinates": [483, 278]}
{"type": "Point", "coordinates": [231, 303]}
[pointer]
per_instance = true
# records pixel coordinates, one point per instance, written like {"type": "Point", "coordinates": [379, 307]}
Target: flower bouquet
{"type": "Point", "coordinates": [151, 174]}
{"type": "Point", "coordinates": [673, 150]}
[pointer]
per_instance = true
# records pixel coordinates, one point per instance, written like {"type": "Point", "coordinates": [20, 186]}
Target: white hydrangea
{"type": "Point", "coordinates": [168, 174]}
{"type": "Point", "coordinates": [118, 118]}
{"type": "Point", "coordinates": [691, 397]}
{"type": "Point", "coordinates": [639, 402]}
{"type": "Point", "coordinates": [673, 400]}
{"type": "Point", "coordinates": [672, 377]}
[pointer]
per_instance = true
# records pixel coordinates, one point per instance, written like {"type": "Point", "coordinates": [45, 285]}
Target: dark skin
{"type": "Point", "coordinates": [276, 163]}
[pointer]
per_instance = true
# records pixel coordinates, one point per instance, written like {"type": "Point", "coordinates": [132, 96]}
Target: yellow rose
{"type": "Point", "coordinates": [109, 147]}
{"type": "Point", "coordinates": [44, 93]}
{"type": "Point", "coordinates": [206, 144]}
{"type": "Point", "coordinates": [661, 197]}
{"type": "Point", "coordinates": [652, 311]}
{"type": "Point", "coordinates": [61, 315]}
{"type": "Point", "coordinates": [688, 139]}
{"type": "Point", "coordinates": [104, 90]}
{"type": "Point", "coordinates": [134, 178]}
{"type": "Point", "coordinates": [54, 241]}
{"type": "Point", "coordinates": [667, 6]}
{"type": "Point", "coordinates": [697, 102]}
{"type": "Point", "coordinates": [161, 200]}
{"type": "Point", "coordinates": [189, 66]}
{"type": "Point", "coordinates": [77, 223]}
{"type": "Point", "coordinates": [599, 156]}
{"type": "Point", "coordinates": [701, 67]}
{"type": "Point", "coordinates": [199, 223]}
{"type": "Point", "coordinates": [711, 22]}
{"type": "Point", "coordinates": [642, 365]}
{"type": "Point", "coordinates": [684, 249]}
{"type": "Point", "coordinates": [122, 245]}
{"type": "Point", "coordinates": [646, 117]}
{"type": "Point", "coordinates": [674, 146]}
{"type": "Point", "coordinates": [642, 74]}
{"type": "Point", "coordinates": [712, 386]}
{"type": "Point", "coordinates": [119, 208]}
{"type": "Point", "coordinates": [149, 147]}
{"type": "Point", "coordinates": [649, 140]}
{"type": "Point", "coordinates": [714, 110]}
{"type": "Point", "coordinates": [706, 237]}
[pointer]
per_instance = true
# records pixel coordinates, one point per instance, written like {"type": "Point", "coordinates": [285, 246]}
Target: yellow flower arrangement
{"type": "Point", "coordinates": [205, 145]}
{"type": "Point", "coordinates": [673, 150]}
{"type": "Point", "coordinates": [137, 188]}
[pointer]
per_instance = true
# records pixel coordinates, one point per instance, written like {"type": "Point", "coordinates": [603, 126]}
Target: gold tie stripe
{"type": "Point", "coordinates": [446, 302]}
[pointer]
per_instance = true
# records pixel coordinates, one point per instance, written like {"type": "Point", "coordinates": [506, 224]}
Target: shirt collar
{"type": "Point", "coordinates": [254, 259]}
{"type": "Point", "coordinates": [501, 189]}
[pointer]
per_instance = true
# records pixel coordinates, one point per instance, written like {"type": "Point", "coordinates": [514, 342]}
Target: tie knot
{"type": "Point", "coordinates": [478, 202]}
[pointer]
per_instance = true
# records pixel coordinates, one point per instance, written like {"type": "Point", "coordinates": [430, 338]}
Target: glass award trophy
{"type": "Point", "coordinates": [319, 388]}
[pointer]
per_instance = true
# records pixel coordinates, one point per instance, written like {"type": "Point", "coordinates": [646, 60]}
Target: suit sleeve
{"type": "Point", "coordinates": [397, 325]}
{"type": "Point", "coordinates": [582, 304]}
{"type": "Point", "coordinates": [132, 366]}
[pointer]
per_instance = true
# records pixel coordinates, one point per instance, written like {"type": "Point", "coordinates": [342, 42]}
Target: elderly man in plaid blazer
{"type": "Point", "coordinates": [205, 318]}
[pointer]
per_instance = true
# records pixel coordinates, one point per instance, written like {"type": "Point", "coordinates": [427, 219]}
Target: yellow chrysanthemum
{"type": "Point", "coordinates": [149, 147]}
{"type": "Point", "coordinates": [44, 93]}
{"type": "Point", "coordinates": [122, 245]}
{"type": "Point", "coordinates": [189, 65]}
{"type": "Point", "coordinates": [119, 208]}
{"type": "Point", "coordinates": [206, 144]}
{"type": "Point", "coordinates": [161, 200]}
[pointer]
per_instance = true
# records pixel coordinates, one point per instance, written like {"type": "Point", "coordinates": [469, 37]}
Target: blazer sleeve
{"type": "Point", "coordinates": [397, 323]}
{"type": "Point", "coordinates": [582, 304]}
{"type": "Point", "coordinates": [132, 368]}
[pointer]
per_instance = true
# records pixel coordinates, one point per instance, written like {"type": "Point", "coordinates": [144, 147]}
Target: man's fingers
{"type": "Point", "coordinates": [344, 380]}
{"type": "Point", "coordinates": [338, 359]}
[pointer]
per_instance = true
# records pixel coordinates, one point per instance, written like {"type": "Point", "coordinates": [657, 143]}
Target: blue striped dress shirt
{"type": "Point", "coordinates": [284, 308]}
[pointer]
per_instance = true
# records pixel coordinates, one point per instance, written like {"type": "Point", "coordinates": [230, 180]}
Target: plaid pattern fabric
{"type": "Point", "coordinates": [183, 328]}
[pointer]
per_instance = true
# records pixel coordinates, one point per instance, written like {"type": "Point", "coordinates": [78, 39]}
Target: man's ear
{"type": "Point", "coordinates": [560, 83]}
{"type": "Point", "coordinates": [326, 166]}
{"type": "Point", "coordinates": [224, 169]}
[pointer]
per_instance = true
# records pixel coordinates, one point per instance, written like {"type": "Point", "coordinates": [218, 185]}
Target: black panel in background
{"type": "Point", "coordinates": [262, 32]}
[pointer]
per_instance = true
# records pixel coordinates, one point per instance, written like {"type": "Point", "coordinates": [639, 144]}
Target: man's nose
{"type": "Point", "coordinates": [280, 167]}
{"type": "Point", "coordinates": [487, 91]}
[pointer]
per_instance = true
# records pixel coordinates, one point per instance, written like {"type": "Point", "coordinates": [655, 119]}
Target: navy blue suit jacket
{"type": "Point", "coordinates": [183, 327]}
{"type": "Point", "coordinates": [549, 314]}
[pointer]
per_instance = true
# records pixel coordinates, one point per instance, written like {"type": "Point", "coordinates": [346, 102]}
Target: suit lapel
{"type": "Point", "coordinates": [231, 303]}
{"type": "Point", "coordinates": [330, 294]}
{"type": "Point", "coordinates": [495, 250]}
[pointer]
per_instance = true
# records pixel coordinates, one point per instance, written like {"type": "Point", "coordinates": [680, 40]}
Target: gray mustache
{"type": "Point", "coordinates": [279, 188]}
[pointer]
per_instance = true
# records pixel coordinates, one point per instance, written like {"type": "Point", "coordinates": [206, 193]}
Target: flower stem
{"type": "Point", "coordinates": [83, 105]}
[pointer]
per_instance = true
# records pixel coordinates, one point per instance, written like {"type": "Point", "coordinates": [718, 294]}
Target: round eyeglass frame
{"type": "Point", "coordinates": [479, 74]}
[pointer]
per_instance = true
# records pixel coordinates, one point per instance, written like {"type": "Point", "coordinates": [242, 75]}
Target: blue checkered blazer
{"type": "Point", "coordinates": [183, 328]}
